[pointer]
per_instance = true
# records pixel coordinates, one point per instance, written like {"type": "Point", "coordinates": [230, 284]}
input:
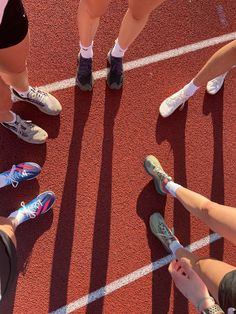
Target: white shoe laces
{"type": "Point", "coordinates": [37, 94]}
{"type": "Point", "coordinates": [14, 183]}
{"type": "Point", "coordinates": [31, 211]}
{"type": "Point", "coordinates": [175, 100]}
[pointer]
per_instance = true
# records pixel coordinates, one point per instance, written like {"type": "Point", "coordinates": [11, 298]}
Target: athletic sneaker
{"type": "Point", "coordinates": [170, 104]}
{"type": "Point", "coordinates": [44, 101]}
{"type": "Point", "coordinates": [27, 131]}
{"type": "Point", "coordinates": [161, 230]}
{"type": "Point", "coordinates": [115, 72]}
{"type": "Point", "coordinates": [215, 85]}
{"type": "Point", "coordinates": [84, 77]}
{"type": "Point", "coordinates": [21, 172]}
{"type": "Point", "coordinates": [38, 206]}
{"type": "Point", "coordinates": [154, 169]}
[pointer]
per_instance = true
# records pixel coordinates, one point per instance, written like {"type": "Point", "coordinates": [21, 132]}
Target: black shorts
{"type": "Point", "coordinates": [14, 26]}
{"type": "Point", "coordinates": [227, 291]}
{"type": "Point", "coordinates": [8, 263]}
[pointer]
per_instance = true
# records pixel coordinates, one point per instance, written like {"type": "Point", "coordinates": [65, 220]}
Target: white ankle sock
{"type": "Point", "coordinates": [172, 187]}
{"type": "Point", "coordinates": [86, 52]}
{"type": "Point", "coordinates": [174, 246]}
{"type": "Point", "coordinates": [23, 94]}
{"type": "Point", "coordinates": [13, 117]}
{"type": "Point", "coordinates": [190, 89]}
{"type": "Point", "coordinates": [117, 51]}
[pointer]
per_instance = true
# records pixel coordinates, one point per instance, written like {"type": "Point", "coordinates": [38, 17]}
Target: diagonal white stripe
{"type": "Point", "coordinates": [124, 281]}
{"type": "Point", "coordinates": [147, 60]}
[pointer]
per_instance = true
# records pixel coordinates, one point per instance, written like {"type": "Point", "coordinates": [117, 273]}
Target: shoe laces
{"type": "Point", "coordinates": [85, 67]}
{"type": "Point", "coordinates": [14, 183]}
{"type": "Point", "coordinates": [24, 126]}
{"type": "Point", "coordinates": [165, 232]}
{"type": "Point", "coordinates": [37, 94]}
{"type": "Point", "coordinates": [31, 210]}
{"type": "Point", "coordinates": [175, 99]}
{"type": "Point", "coordinates": [116, 65]}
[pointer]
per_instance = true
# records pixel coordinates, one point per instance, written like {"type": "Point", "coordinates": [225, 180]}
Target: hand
{"type": "Point", "coordinates": [188, 282]}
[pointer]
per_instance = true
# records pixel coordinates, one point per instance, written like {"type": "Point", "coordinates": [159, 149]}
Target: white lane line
{"type": "Point", "coordinates": [147, 60]}
{"type": "Point", "coordinates": [124, 281]}
{"type": "Point", "coordinates": [221, 15]}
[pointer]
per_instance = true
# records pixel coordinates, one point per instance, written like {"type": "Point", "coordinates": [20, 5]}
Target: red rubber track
{"type": "Point", "coordinates": [98, 230]}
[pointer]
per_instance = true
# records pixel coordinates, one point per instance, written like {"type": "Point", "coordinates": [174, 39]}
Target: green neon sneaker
{"type": "Point", "coordinates": [161, 230]}
{"type": "Point", "coordinates": [154, 169]}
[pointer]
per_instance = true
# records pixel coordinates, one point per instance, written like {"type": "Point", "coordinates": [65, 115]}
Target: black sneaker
{"type": "Point", "coordinates": [115, 72]}
{"type": "Point", "coordinates": [84, 77]}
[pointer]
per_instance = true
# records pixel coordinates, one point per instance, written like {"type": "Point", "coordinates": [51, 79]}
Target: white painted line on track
{"type": "Point", "coordinates": [147, 60]}
{"type": "Point", "coordinates": [124, 281]}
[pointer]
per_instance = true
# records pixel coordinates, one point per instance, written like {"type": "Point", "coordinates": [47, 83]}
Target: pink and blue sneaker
{"type": "Point", "coordinates": [38, 206]}
{"type": "Point", "coordinates": [18, 173]}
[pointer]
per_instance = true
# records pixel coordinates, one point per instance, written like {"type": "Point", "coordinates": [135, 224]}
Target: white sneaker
{"type": "Point", "coordinates": [215, 85]}
{"type": "Point", "coordinates": [27, 131]}
{"type": "Point", "coordinates": [44, 101]}
{"type": "Point", "coordinates": [170, 104]}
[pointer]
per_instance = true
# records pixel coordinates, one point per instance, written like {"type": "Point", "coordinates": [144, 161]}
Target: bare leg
{"type": "Point", "coordinates": [13, 72]}
{"type": "Point", "coordinates": [135, 19]}
{"type": "Point", "coordinates": [220, 218]}
{"type": "Point", "coordinates": [210, 270]}
{"type": "Point", "coordinates": [89, 14]}
{"type": "Point", "coordinates": [7, 225]}
{"type": "Point", "coordinates": [221, 62]}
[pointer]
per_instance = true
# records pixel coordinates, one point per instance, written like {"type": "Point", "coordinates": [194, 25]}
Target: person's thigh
{"type": "Point", "coordinates": [212, 272]}
{"type": "Point", "coordinates": [140, 9]}
{"type": "Point", "coordinates": [13, 59]}
{"type": "Point", "coordinates": [95, 8]}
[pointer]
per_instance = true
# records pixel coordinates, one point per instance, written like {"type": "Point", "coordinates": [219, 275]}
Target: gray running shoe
{"type": "Point", "coordinates": [161, 230]}
{"type": "Point", "coordinates": [27, 131]}
{"type": "Point", "coordinates": [154, 169]}
{"type": "Point", "coordinates": [84, 76]}
{"type": "Point", "coordinates": [115, 75]}
{"type": "Point", "coordinates": [44, 101]}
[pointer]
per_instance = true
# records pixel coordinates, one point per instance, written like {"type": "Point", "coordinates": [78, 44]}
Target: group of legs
{"type": "Point", "coordinates": [217, 276]}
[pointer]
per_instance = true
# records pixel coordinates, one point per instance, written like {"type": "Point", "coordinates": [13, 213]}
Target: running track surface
{"type": "Point", "coordinates": [98, 230]}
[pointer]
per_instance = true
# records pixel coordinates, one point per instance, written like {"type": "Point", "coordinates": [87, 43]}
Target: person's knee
{"type": "Point", "coordinates": [138, 15]}
{"type": "Point", "coordinates": [94, 10]}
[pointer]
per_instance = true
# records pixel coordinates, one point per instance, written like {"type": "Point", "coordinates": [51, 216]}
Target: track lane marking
{"type": "Point", "coordinates": [125, 280]}
{"type": "Point", "coordinates": [147, 60]}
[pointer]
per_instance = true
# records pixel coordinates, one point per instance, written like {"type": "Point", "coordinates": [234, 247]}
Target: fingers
{"type": "Point", "coordinates": [186, 267]}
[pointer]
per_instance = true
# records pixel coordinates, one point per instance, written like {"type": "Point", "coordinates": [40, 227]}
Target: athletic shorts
{"type": "Point", "coordinates": [8, 263]}
{"type": "Point", "coordinates": [14, 26]}
{"type": "Point", "coordinates": [227, 291]}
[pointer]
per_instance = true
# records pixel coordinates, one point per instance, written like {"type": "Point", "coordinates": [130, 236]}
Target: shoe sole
{"type": "Point", "coordinates": [85, 88]}
{"type": "Point", "coordinates": [113, 85]}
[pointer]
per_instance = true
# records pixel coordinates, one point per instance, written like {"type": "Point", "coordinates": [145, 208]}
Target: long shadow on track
{"type": "Point", "coordinates": [148, 203]}
{"type": "Point", "coordinates": [214, 105]}
{"type": "Point", "coordinates": [101, 234]}
{"type": "Point", "coordinates": [64, 235]}
{"type": "Point", "coordinates": [176, 137]}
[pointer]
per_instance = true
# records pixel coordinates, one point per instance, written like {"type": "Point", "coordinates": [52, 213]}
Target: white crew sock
{"type": "Point", "coordinates": [190, 89]}
{"type": "Point", "coordinates": [117, 51]}
{"type": "Point", "coordinates": [86, 52]}
{"type": "Point", "coordinates": [174, 246]}
{"type": "Point", "coordinates": [25, 93]}
{"type": "Point", "coordinates": [13, 118]}
{"type": "Point", "coordinates": [3, 181]}
{"type": "Point", "coordinates": [172, 187]}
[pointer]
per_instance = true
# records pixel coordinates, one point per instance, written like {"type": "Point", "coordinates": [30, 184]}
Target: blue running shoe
{"type": "Point", "coordinates": [38, 206]}
{"type": "Point", "coordinates": [21, 172]}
